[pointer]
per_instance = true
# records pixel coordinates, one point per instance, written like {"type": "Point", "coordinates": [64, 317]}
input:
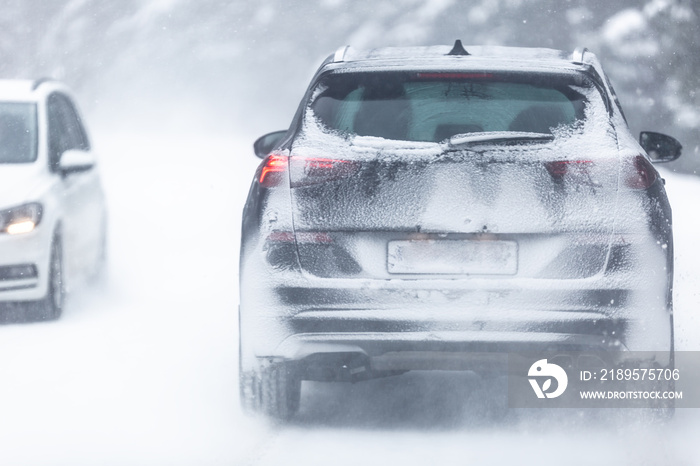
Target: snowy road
{"type": "Point", "coordinates": [143, 371]}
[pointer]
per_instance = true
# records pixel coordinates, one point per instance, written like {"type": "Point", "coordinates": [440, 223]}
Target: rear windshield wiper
{"type": "Point", "coordinates": [498, 137]}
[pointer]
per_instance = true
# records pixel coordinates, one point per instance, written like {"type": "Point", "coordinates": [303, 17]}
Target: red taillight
{"type": "Point", "coordinates": [305, 170]}
{"type": "Point", "coordinates": [273, 170]}
{"type": "Point", "coordinates": [313, 170]}
{"type": "Point", "coordinates": [641, 174]}
{"type": "Point", "coordinates": [559, 168]}
{"type": "Point", "coordinates": [281, 237]}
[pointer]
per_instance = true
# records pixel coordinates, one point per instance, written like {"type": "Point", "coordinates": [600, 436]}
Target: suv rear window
{"type": "Point", "coordinates": [434, 106]}
{"type": "Point", "coordinates": [18, 137]}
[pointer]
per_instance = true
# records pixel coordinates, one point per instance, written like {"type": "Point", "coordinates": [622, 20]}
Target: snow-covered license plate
{"type": "Point", "coordinates": [453, 257]}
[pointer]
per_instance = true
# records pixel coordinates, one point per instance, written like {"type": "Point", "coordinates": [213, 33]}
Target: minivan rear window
{"type": "Point", "coordinates": [434, 106]}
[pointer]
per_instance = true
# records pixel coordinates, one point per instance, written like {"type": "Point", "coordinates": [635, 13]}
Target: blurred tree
{"type": "Point", "coordinates": [652, 55]}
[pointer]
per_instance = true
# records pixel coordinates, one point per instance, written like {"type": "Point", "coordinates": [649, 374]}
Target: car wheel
{"type": "Point", "coordinates": [663, 411]}
{"type": "Point", "coordinates": [281, 391]}
{"type": "Point", "coordinates": [654, 411]}
{"type": "Point", "coordinates": [51, 306]}
{"type": "Point", "coordinates": [249, 392]}
{"type": "Point", "coordinates": [274, 391]}
{"type": "Point", "coordinates": [662, 415]}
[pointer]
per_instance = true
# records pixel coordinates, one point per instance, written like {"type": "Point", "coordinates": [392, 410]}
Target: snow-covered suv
{"type": "Point", "coordinates": [431, 206]}
{"type": "Point", "coordinates": [52, 209]}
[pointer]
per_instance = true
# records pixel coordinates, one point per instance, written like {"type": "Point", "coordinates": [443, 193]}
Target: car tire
{"type": "Point", "coordinates": [663, 410]}
{"type": "Point", "coordinates": [249, 385]}
{"type": "Point", "coordinates": [654, 411]}
{"type": "Point", "coordinates": [51, 307]}
{"type": "Point", "coordinates": [663, 415]}
{"type": "Point", "coordinates": [274, 391]}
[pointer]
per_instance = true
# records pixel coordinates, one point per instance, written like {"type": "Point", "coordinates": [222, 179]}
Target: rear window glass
{"type": "Point", "coordinates": [18, 139]}
{"type": "Point", "coordinates": [436, 106]}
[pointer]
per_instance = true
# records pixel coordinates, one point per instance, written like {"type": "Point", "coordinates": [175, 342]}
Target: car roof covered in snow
{"type": "Point", "coordinates": [27, 90]}
{"type": "Point", "coordinates": [479, 57]}
{"type": "Point", "coordinates": [16, 89]}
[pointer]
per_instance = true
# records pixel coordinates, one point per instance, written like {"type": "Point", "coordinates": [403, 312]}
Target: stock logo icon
{"type": "Point", "coordinates": [543, 371]}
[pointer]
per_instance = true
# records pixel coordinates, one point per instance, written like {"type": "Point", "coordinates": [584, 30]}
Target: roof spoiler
{"type": "Point", "coordinates": [577, 56]}
{"type": "Point", "coordinates": [339, 55]}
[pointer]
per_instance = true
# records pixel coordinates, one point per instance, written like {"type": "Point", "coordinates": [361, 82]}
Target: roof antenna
{"type": "Point", "coordinates": [458, 49]}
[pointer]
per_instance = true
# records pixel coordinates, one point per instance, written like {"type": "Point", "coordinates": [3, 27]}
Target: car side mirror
{"type": "Point", "coordinates": [73, 161]}
{"type": "Point", "coordinates": [661, 148]}
{"type": "Point", "coordinates": [264, 144]}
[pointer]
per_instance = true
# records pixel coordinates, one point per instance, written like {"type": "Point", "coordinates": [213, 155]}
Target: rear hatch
{"type": "Point", "coordinates": [409, 175]}
{"type": "Point", "coordinates": [515, 211]}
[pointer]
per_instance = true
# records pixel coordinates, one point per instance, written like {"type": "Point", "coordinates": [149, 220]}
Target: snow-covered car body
{"type": "Point", "coordinates": [52, 209]}
{"type": "Point", "coordinates": [430, 205]}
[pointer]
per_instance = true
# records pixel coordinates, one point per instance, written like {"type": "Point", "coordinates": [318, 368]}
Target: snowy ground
{"type": "Point", "coordinates": [143, 370]}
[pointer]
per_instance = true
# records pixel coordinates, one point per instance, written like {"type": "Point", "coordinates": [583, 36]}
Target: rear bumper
{"type": "Point", "coordinates": [353, 366]}
{"type": "Point", "coordinates": [435, 350]}
{"type": "Point", "coordinates": [442, 324]}
{"type": "Point", "coordinates": [404, 324]}
{"type": "Point", "coordinates": [449, 329]}
{"type": "Point", "coordinates": [359, 356]}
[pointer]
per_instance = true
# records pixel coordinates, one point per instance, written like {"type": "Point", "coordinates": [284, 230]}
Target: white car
{"type": "Point", "coordinates": [53, 220]}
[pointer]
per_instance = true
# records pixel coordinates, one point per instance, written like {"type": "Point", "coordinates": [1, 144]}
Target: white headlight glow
{"type": "Point", "coordinates": [20, 219]}
{"type": "Point", "coordinates": [23, 226]}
